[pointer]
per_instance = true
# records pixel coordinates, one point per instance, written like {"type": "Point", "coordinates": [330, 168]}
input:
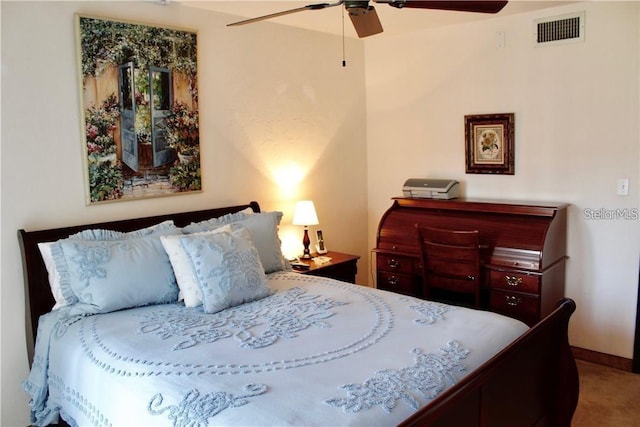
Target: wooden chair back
{"type": "Point", "coordinates": [450, 261]}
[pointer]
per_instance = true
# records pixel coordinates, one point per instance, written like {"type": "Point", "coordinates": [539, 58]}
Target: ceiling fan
{"type": "Point", "coordinates": [365, 19]}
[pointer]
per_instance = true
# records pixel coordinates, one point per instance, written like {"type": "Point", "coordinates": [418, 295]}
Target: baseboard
{"type": "Point", "coordinates": [605, 359]}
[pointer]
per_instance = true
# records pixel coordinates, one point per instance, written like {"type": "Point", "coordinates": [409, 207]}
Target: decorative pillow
{"type": "Point", "coordinates": [108, 275]}
{"type": "Point", "coordinates": [164, 228]}
{"type": "Point", "coordinates": [263, 230]}
{"type": "Point", "coordinates": [190, 290]}
{"type": "Point", "coordinates": [227, 267]}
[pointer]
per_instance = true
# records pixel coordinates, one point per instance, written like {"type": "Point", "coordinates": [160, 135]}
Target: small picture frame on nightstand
{"type": "Point", "coordinates": [320, 247]}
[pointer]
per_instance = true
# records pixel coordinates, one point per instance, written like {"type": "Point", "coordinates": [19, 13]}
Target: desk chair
{"type": "Point", "coordinates": [450, 261]}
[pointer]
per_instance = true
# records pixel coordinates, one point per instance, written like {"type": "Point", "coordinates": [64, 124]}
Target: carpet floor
{"type": "Point", "coordinates": [608, 397]}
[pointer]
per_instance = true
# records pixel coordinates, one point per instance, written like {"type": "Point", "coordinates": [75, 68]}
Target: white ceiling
{"type": "Point", "coordinates": [329, 20]}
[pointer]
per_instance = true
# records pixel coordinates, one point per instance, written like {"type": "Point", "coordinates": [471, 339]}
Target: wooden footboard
{"type": "Point", "coordinates": [533, 382]}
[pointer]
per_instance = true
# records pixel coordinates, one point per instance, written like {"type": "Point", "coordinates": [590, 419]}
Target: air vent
{"type": "Point", "coordinates": [559, 29]}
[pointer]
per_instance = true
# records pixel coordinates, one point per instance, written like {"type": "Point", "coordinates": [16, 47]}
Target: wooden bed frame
{"type": "Point", "coordinates": [532, 382]}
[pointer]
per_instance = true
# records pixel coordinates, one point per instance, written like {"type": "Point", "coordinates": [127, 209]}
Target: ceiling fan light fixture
{"type": "Point", "coordinates": [351, 5]}
{"type": "Point", "coordinates": [358, 11]}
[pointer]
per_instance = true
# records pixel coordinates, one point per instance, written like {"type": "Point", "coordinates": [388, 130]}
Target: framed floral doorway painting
{"type": "Point", "coordinates": [140, 119]}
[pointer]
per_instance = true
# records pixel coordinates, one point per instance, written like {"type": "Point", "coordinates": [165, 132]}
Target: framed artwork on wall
{"type": "Point", "coordinates": [139, 104]}
{"type": "Point", "coordinates": [489, 145]}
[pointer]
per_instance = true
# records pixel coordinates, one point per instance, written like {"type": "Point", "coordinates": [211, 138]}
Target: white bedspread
{"type": "Point", "coordinates": [316, 352]}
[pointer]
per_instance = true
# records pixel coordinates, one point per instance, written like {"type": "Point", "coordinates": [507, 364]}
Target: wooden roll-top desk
{"type": "Point", "coordinates": [522, 250]}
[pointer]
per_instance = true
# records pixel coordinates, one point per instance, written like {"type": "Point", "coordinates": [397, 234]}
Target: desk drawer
{"type": "Point", "coordinates": [397, 282]}
{"type": "Point", "coordinates": [520, 306]}
{"type": "Point", "coordinates": [514, 281]}
{"type": "Point", "coordinates": [394, 263]}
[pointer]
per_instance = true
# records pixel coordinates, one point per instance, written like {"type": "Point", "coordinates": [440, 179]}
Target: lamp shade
{"type": "Point", "coordinates": [305, 213]}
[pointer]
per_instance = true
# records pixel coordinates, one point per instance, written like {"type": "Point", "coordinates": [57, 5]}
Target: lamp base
{"type": "Point", "coordinates": [306, 242]}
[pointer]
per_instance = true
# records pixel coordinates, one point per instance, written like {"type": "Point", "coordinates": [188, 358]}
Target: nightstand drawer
{"type": "Point", "coordinates": [393, 263]}
{"type": "Point", "coordinates": [512, 281]}
{"type": "Point", "coordinates": [520, 306]}
{"type": "Point", "coordinates": [396, 282]}
{"type": "Point", "coordinates": [341, 267]}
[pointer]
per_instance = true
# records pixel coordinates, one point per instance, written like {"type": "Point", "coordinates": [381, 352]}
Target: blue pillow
{"type": "Point", "coordinates": [263, 230]}
{"type": "Point", "coordinates": [99, 276]}
{"type": "Point", "coordinates": [227, 267]}
{"type": "Point", "coordinates": [162, 229]}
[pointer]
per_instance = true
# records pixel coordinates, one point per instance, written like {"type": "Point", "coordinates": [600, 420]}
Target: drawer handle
{"type": "Point", "coordinates": [392, 280]}
{"type": "Point", "coordinates": [393, 263]}
{"type": "Point", "coordinates": [513, 280]}
{"type": "Point", "coordinates": [512, 301]}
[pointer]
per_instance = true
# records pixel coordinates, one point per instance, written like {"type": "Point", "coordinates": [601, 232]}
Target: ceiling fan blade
{"type": "Point", "coordinates": [286, 12]}
{"type": "Point", "coordinates": [459, 6]}
{"type": "Point", "coordinates": [365, 20]}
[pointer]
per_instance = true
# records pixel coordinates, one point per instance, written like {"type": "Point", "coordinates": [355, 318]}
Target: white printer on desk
{"type": "Point", "coordinates": [431, 188]}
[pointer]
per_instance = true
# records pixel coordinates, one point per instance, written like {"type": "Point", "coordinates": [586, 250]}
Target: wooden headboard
{"type": "Point", "coordinates": [38, 297]}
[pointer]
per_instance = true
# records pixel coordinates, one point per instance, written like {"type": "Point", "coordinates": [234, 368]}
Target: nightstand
{"type": "Point", "coordinates": [341, 267]}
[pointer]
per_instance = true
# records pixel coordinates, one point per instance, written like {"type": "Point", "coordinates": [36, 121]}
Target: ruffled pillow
{"type": "Point", "coordinates": [108, 275]}
{"type": "Point", "coordinates": [64, 295]}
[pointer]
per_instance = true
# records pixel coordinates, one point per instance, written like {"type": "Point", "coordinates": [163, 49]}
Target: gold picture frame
{"type": "Point", "coordinates": [490, 143]}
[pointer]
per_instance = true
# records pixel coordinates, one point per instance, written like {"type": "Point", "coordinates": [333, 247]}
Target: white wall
{"type": "Point", "coordinates": [273, 101]}
{"type": "Point", "coordinates": [577, 122]}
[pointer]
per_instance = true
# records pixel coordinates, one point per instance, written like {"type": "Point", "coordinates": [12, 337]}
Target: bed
{"type": "Point", "coordinates": [277, 348]}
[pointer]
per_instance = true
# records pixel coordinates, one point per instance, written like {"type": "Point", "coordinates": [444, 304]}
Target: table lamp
{"type": "Point", "coordinates": [305, 214]}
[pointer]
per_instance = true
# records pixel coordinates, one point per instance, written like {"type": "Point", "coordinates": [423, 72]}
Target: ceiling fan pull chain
{"type": "Point", "coordinates": [344, 61]}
